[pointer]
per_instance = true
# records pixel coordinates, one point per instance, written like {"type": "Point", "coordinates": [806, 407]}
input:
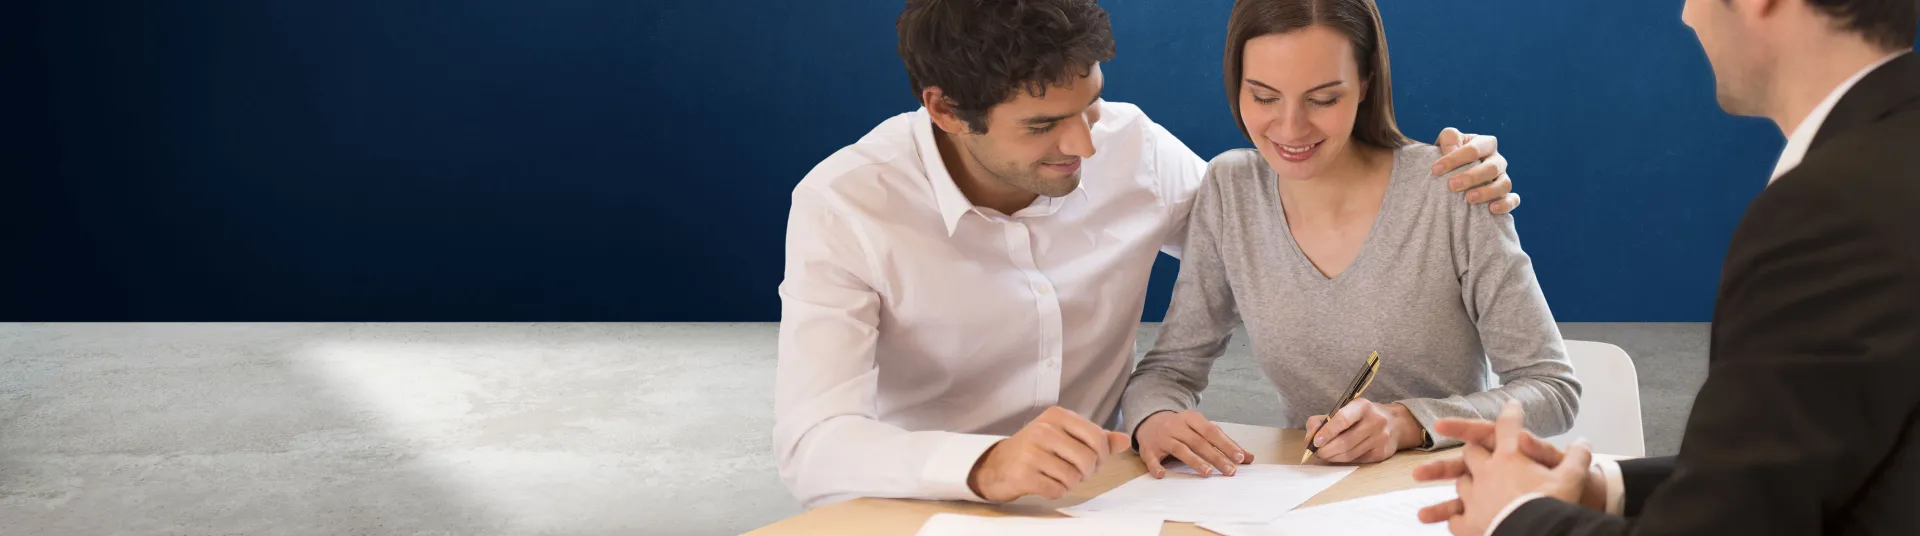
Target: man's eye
{"type": "Point", "coordinates": [1041, 129]}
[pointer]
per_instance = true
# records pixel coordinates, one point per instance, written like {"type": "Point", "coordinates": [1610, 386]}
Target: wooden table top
{"type": "Point", "coordinates": [890, 517]}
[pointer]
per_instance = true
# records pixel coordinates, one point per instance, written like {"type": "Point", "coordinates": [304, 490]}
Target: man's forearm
{"type": "Point", "coordinates": [850, 457]}
{"type": "Point", "coordinates": [973, 476]}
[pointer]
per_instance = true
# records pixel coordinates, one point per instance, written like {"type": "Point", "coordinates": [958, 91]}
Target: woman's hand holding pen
{"type": "Point", "coordinates": [1364, 432]}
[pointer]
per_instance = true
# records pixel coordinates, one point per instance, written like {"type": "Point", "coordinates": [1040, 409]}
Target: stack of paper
{"type": "Point", "coordinates": [1255, 494]}
{"type": "Point", "coordinates": [1394, 513]}
{"type": "Point", "coordinates": [963, 525]}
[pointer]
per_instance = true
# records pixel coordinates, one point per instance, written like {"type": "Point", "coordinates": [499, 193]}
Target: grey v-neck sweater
{"type": "Point", "coordinates": [1440, 288]}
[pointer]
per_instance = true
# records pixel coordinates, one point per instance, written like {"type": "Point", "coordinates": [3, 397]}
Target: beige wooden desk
{"type": "Point", "coordinates": [890, 517]}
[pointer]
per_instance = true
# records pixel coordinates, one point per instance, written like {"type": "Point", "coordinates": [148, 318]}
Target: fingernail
{"type": "Point", "coordinates": [1239, 458]}
{"type": "Point", "coordinates": [1454, 185]}
{"type": "Point", "coordinates": [1204, 469]}
{"type": "Point", "coordinates": [1229, 471]}
{"type": "Point", "coordinates": [1320, 441]}
{"type": "Point", "coordinates": [1436, 168]}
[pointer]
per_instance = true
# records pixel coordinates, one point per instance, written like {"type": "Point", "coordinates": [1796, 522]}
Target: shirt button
{"type": "Point", "coordinates": [1043, 289]}
{"type": "Point", "coordinates": [1051, 363]}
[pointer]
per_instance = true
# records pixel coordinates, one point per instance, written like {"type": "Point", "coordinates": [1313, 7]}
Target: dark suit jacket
{"type": "Point", "coordinates": [1809, 421]}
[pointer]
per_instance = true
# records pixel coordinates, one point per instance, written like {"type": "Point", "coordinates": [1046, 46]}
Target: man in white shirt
{"type": "Point", "coordinates": [963, 285]}
{"type": "Point", "coordinates": [1809, 421]}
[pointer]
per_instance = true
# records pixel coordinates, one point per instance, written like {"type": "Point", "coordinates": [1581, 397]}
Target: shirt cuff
{"type": "Point", "coordinates": [1425, 414]}
{"type": "Point", "coordinates": [1616, 486]}
{"type": "Point", "coordinates": [1504, 512]}
{"type": "Point", "coordinates": [952, 462]}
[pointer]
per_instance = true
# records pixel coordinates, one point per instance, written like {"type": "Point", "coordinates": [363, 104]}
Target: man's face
{"type": "Point", "coordinates": [1036, 143]}
{"type": "Point", "coordinates": [1739, 58]}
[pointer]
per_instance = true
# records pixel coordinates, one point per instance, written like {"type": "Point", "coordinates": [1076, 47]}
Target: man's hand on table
{"type": "Point", "coordinates": [1048, 456]}
{"type": "Point", "coordinates": [1503, 461]}
{"type": "Point", "coordinates": [1478, 432]}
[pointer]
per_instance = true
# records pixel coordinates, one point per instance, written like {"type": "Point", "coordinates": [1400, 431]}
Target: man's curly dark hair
{"type": "Point", "coordinates": [978, 52]}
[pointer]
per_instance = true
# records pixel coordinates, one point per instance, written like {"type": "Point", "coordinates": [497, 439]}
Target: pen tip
{"type": "Point", "coordinates": [1304, 456]}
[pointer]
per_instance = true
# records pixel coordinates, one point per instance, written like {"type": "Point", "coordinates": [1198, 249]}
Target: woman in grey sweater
{"type": "Point", "coordinates": [1329, 243]}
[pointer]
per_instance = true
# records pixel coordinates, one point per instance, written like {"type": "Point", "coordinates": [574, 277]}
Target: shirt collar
{"type": "Point", "coordinates": [952, 202]}
{"type": "Point", "coordinates": [1802, 137]}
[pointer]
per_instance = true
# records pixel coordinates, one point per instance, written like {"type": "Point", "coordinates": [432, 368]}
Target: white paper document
{"type": "Point", "coordinates": [1386, 514]}
{"type": "Point", "coordinates": [958, 525]}
{"type": "Point", "coordinates": [1255, 494]}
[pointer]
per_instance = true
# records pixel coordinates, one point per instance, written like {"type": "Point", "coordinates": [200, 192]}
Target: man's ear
{"type": "Point", "coordinates": [1757, 9]}
{"type": "Point", "coordinates": [940, 109]}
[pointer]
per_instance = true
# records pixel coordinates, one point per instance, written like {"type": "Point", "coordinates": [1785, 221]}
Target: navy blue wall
{"type": "Point", "coordinates": [632, 160]}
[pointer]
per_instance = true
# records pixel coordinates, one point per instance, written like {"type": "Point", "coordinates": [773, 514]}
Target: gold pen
{"type": "Point", "coordinates": [1359, 385]}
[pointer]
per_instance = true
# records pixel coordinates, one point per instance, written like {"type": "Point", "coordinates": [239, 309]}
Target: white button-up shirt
{"type": "Point", "coordinates": [918, 329]}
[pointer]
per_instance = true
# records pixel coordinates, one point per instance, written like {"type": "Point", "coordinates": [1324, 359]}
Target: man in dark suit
{"type": "Point", "coordinates": [1809, 421]}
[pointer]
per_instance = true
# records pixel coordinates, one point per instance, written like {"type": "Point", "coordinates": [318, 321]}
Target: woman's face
{"type": "Point", "coordinates": [1299, 94]}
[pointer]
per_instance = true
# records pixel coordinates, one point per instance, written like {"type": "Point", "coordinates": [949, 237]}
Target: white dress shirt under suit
{"type": "Point", "coordinates": [917, 329]}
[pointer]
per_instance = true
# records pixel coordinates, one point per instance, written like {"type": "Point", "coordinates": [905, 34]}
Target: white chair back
{"type": "Point", "coordinates": [1609, 400]}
